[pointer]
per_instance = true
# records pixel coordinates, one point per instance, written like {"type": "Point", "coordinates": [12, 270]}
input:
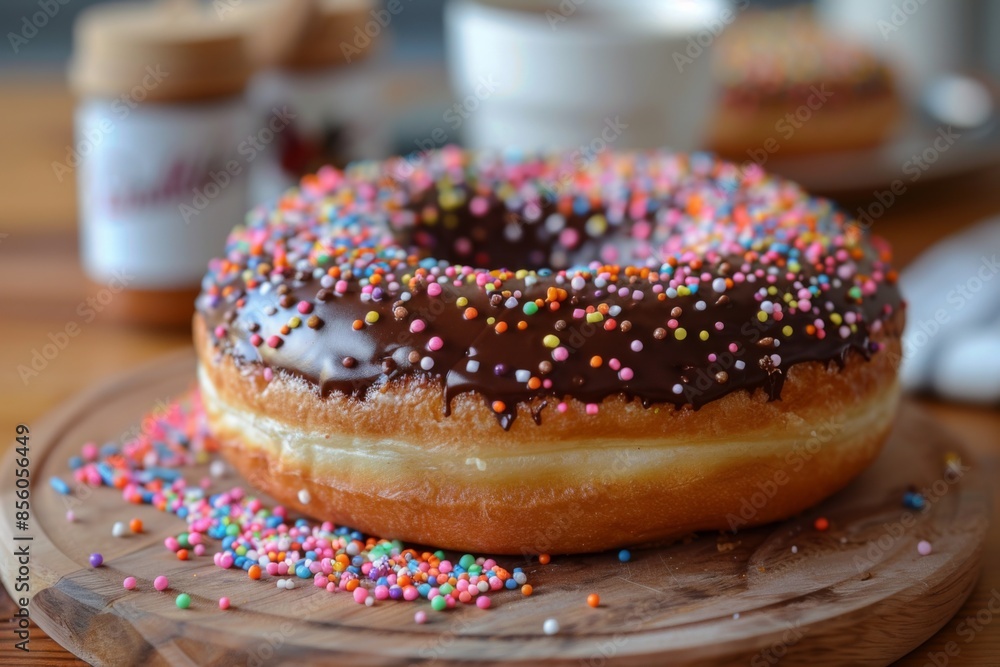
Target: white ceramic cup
{"type": "Point", "coordinates": [586, 74]}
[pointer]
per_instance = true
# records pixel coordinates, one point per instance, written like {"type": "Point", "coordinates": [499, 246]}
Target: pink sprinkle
{"type": "Point", "coordinates": [625, 374]}
{"type": "Point", "coordinates": [636, 346]}
{"type": "Point", "coordinates": [171, 543]}
{"type": "Point", "coordinates": [220, 331]}
{"type": "Point", "coordinates": [483, 602]}
{"type": "Point", "coordinates": [416, 326]}
{"type": "Point", "coordinates": [614, 364]}
{"type": "Point", "coordinates": [434, 289]}
{"type": "Point", "coordinates": [560, 354]}
{"type": "Point", "coordinates": [592, 408]}
{"type": "Point", "coordinates": [924, 548]}
{"type": "Point", "coordinates": [435, 343]}
{"type": "Point", "coordinates": [161, 583]}
{"type": "Point", "coordinates": [199, 550]}
{"type": "Point", "coordinates": [305, 307]}
{"type": "Point", "coordinates": [256, 340]}
{"type": "Point", "coordinates": [420, 617]}
{"type": "Point", "coordinates": [223, 603]}
{"type": "Point", "coordinates": [360, 594]}
{"type": "Point", "coordinates": [268, 374]}
{"type": "Point", "coordinates": [274, 341]}
{"type": "Point", "coordinates": [562, 407]}
{"type": "Point", "coordinates": [129, 583]}
{"type": "Point", "coordinates": [70, 516]}
{"type": "Point", "coordinates": [341, 286]}
{"type": "Point", "coordinates": [410, 593]}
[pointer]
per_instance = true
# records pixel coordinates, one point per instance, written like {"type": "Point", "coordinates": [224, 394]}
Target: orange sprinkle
{"type": "Point", "coordinates": [594, 600]}
{"type": "Point", "coordinates": [358, 325]}
{"type": "Point", "coordinates": [822, 523]}
{"type": "Point", "coordinates": [534, 383]}
{"type": "Point", "coordinates": [544, 559]}
{"type": "Point", "coordinates": [254, 572]}
{"type": "Point", "coordinates": [499, 406]}
{"type": "Point", "coordinates": [522, 325]}
{"type": "Point", "coordinates": [182, 554]}
{"type": "Point", "coordinates": [470, 313]}
{"type": "Point", "coordinates": [135, 525]}
{"type": "Point", "coordinates": [500, 327]}
{"type": "Point", "coordinates": [596, 361]}
{"type": "Point", "coordinates": [352, 584]}
{"type": "Point", "coordinates": [527, 590]}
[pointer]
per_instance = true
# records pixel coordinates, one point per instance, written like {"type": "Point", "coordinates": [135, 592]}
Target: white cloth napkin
{"type": "Point", "coordinates": [952, 341]}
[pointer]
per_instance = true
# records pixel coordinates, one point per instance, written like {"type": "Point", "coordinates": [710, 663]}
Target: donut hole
{"type": "Point", "coordinates": [542, 238]}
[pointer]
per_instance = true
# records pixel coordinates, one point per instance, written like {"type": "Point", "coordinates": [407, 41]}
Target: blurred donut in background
{"type": "Point", "coordinates": [789, 85]}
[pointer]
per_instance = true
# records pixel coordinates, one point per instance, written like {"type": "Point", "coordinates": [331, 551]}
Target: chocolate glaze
{"type": "Point", "coordinates": [384, 351]}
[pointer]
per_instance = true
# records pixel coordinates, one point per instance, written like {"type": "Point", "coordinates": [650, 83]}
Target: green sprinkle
{"type": "Point", "coordinates": [530, 308]}
{"type": "Point", "coordinates": [439, 603]}
{"type": "Point", "coordinates": [183, 601]}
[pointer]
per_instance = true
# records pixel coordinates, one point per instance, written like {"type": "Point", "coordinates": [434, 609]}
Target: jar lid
{"type": "Point", "coordinates": [172, 52]}
{"type": "Point", "coordinates": [309, 34]}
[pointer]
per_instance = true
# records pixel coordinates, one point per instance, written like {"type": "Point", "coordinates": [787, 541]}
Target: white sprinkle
{"type": "Point", "coordinates": [736, 616]}
{"type": "Point", "coordinates": [305, 496]}
{"type": "Point", "coordinates": [427, 363]}
{"type": "Point", "coordinates": [119, 529]}
{"type": "Point", "coordinates": [369, 601]}
{"type": "Point", "coordinates": [280, 583]}
{"type": "Point", "coordinates": [719, 285]}
{"type": "Point", "coordinates": [352, 550]}
{"type": "Point", "coordinates": [678, 389]}
{"type": "Point", "coordinates": [289, 584]}
{"type": "Point", "coordinates": [472, 366]}
{"type": "Point", "coordinates": [551, 626]}
{"type": "Point", "coordinates": [483, 586]}
{"type": "Point", "coordinates": [530, 280]}
{"type": "Point", "coordinates": [701, 305]}
{"type": "Point", "coordinates": [405, 296]}
{"type": "Point", "coordinates": [522, 375]}
{"type": "Point", "coordinates": [614, 311]}
{"type": "Point", "coordinates": [776, 359]}
{"type": "Point", "coordinates": [511, 302]}
{"type": "Point", "coordinates": [795, 549]}
{"type": "Point", "coordinates": [520, 578]}
{"type": "Point", "coordinates": [578, 283]}
{"type": "Point", "coordinates": [217, 468]}
{"type": "Point", "coordinates": [740, 365]}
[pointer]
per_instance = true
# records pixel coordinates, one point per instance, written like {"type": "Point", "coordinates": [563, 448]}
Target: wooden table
{"type": "Point", "coordinates": [41, 285]}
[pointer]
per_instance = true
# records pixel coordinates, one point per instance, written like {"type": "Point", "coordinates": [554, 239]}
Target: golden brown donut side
{"type": "Point", "coordinates": [578, 482]}
{"type": "Point", "coordinates": [741, 133]}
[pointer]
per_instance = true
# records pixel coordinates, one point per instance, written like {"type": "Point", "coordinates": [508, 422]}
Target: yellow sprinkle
{"type": "Point", "coordinates": [461, 302]}
{"type": "Point", "coordinates": [683, 290]}
{"type": "Point", "coordinates": [294, 322]}
{"type": "Point", "coordinates": [703, 335]}
{"type": "Point", "coordinates": [680, 333]}
{"type": "Point", "coordinates": [761, 316]}
{"type": "Point", "coordinates": [836, 318]}
{"type": "Point", "coordinates": [491, 320]}
{"type": "Point", "coordinates": [595, 317]}
{"type": "Point", "coordinates": [521, 274]}
{"type": "Point", "coordinates": [772, 290]}
{"type": "Point", "coordinates": [550, 341]}
{"type": "Point", "coordinates": [787, 330]}
{"type": "Point", "coordinates": [371, 317]}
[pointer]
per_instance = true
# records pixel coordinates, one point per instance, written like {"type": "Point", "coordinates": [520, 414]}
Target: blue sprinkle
{"type": "Point", "coordinates": [624, 555]}
{"type": "Point", "coordinates": [59, 485]}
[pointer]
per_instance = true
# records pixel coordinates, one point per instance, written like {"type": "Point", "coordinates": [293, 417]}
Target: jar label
{"type": "Point", "coordinates": [160, 187]}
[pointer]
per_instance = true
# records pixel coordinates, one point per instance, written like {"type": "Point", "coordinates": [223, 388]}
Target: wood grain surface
{"type": "Point", "coordinates": [41, 287]}
{"type": "Point", "coordinates": [786, 591]}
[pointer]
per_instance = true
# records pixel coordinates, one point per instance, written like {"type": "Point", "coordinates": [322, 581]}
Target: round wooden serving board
{"type": "Point", "coordinates": [857, 593]}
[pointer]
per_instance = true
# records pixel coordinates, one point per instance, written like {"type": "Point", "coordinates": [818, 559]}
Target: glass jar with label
{"type": "Point", "coordinates": [324, 79]}
{"type": "Point", "coordinates": [161, 128]}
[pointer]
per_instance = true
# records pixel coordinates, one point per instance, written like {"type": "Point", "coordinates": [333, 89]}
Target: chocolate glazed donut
{"type": "Point", "coordinates": [676, 338]}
